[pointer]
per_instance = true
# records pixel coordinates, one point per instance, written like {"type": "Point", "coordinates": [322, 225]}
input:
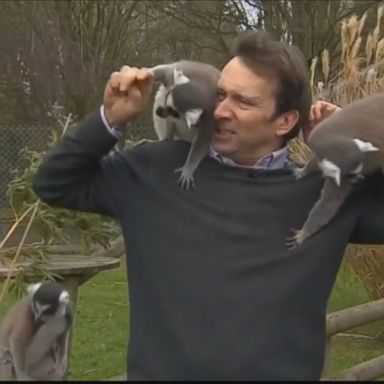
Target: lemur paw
{"type": "Point", "coordinates": [295, 239]}
{"type": "Point", "coordinates": [186, 180]}
{"type": "Point", "coordinates": [299, 173]}
{"type": "Point", "coordinates": [296, 171]}
{"type": "Point", "coordinates": [5, 356]}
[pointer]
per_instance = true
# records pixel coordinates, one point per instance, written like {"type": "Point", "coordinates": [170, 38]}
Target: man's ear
{"type": "Point", "coordinates": [286, 121]}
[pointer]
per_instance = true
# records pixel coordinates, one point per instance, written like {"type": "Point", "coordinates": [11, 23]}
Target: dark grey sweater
{"type": "Point", "coordinates": [214, 292]}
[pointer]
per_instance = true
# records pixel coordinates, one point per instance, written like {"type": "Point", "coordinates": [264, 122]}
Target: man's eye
{"type": "Point", "coordinates": [244, 104]}
{"type": "Point", "coordinates": [220, 95]}
{"type": "Point", "coordinates": [247, 102]}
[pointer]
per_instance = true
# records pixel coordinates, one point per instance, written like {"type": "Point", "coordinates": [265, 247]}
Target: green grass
{"type": "Point", "coordinates": [101, 330]}
{"type": "Point", "coordinates": [100, 335]}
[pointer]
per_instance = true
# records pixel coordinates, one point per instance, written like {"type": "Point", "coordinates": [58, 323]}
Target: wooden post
{"type": "Point", "coordinates": [327, 371]}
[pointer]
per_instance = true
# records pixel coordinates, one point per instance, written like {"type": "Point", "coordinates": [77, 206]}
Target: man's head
{"type": "Point", "coordinates": [264, 98]}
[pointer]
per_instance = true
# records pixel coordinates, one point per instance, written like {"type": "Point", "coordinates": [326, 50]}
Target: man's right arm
{"type": "Point", "coordinates": [76, 174]}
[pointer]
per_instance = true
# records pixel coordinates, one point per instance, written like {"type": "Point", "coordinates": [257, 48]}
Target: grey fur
{"type": "Point", "coordinates": [172, 108]}
{"type": "Point", "coordinates": [35, 351]}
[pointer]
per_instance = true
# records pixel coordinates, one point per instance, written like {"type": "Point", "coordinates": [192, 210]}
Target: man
{"type": "Point", "coordinates": [214, 292]}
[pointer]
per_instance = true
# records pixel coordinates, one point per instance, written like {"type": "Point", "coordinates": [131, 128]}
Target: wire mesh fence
{"type": "Point", "coordinates": [15, 138]}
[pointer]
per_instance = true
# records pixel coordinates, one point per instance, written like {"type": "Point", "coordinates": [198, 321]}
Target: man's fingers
{"type": "Point", "coordinates": [140, 86]}
{"type": "Point", "coordinates": [322, 109]}
{"type": "Point", "coordinates": [120, 81]}
{"type": "Point", "coordinates": [134, 93]}
{"type": "Point", "coordinates": [331, 108]}
{"type": "Point", "coordinates": [311, 114]}
{"type": "Point", "coordinates": [124, 79]}
{"type": "Point", "coordinates": [144, 74]}
{"type": "Point", "coordinates": [145, 80]}
{"type": "Point", "coordinates": [125, 83]}
{"type": "Point", "coordinates": [314, 113]}
{"type": "Point", "coordinates": [318, 111]}
{"type": "Point", "coordinates": [114, 80]}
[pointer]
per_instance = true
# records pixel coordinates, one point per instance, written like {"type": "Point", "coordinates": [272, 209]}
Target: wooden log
{"type": "Point", "coordinates": [327, 372]}
{"type": "Point", "coordinates": [349, 318]}
{"type": "Point", "coordinates": [368, 370]}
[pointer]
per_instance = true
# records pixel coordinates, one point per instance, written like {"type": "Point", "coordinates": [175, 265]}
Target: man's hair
{"type": "Point", "coordinates": [258, 51]}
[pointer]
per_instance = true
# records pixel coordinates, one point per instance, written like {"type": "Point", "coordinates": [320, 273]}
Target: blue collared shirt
{"type": "Point", "coordinates": [274, 160]}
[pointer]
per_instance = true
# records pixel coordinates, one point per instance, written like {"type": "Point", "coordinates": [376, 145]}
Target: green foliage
{"type": "Point", "coordinates": [56, 224]}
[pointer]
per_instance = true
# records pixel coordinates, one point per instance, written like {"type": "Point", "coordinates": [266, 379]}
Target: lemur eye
{"type": "Point", "coordinates": [173, 112]}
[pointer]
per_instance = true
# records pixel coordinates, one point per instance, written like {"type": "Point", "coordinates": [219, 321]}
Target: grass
{"type": "Point", "coordinates": [100, 335]}
{"type": "Point", "coordinates": [101, 330]}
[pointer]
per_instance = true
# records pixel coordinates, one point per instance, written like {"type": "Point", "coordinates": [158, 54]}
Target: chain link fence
{"type": "Point", "coordinates": [15, 138]}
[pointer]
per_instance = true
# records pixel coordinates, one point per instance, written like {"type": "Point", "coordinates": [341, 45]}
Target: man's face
{"type": "Point", "coordinates": [245, 127]}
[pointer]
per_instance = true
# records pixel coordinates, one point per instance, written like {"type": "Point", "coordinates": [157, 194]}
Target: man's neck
{"type": "Point", "coordinates": [272, 160]}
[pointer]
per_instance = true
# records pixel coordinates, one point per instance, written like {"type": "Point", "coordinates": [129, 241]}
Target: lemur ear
{"type": "Point", "coordinates": [64, 297]}
{"type": "Point", "coordinates": [365, 146]}
{"type": "Point", "coordinates": [179, 77]}
{"type": "Point", "coordinates": [32, 288]}
{"type": "Point", "coordinates": [192, 116]}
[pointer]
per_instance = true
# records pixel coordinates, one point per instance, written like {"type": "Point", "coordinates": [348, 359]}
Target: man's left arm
{"type": "Point", "coordinates": [369, 228]}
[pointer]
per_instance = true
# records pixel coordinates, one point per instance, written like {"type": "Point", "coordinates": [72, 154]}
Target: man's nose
{"type": "Point", "coordinates": [223, 110]}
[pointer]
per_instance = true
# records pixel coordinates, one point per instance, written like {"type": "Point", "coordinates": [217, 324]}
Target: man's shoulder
{"type": "Point", "coordinates": [159, 146]}
{"type": "Point", "coordinates": [158, 150]}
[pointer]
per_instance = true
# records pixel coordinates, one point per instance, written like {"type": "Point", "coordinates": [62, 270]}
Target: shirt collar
{"type": "Point", "coordinates": [274, 160]}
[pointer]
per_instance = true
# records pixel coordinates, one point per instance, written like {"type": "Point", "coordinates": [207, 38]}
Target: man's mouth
{"type": "Point", "coordinates": [223, 132]}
